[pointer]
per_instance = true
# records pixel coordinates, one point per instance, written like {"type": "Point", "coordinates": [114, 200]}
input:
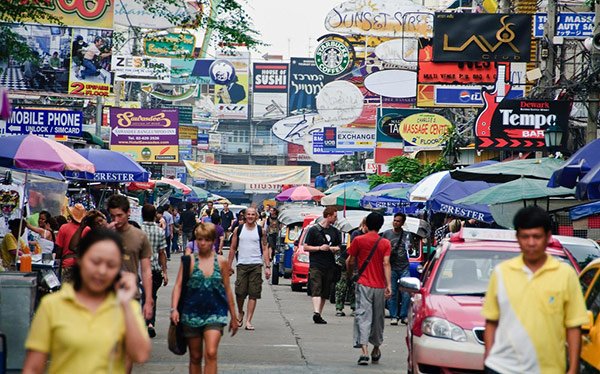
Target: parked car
{"type": "Point", "coordinates": [590, 339]}
{"type": "Point", "coordinates": [584, 250]}
{"type": "Point", "coordinates": [300, 259]}
{"type": "Point", "coordinates": [445, 327]}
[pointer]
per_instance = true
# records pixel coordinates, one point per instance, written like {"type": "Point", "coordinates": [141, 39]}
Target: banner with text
{"type": "Point", "coordinates": [306, 81]}
{"type": "Point", "coordinates": [249, 174]}
{"type": "Point", "coordinates": [270, 90]}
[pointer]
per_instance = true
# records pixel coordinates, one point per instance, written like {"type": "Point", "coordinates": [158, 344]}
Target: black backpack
{"type": "Point", "coordinates": [260, 234]}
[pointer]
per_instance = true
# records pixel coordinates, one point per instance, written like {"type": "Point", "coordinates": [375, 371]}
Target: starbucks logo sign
{"type": "Point", "coordinates": [333, 57]}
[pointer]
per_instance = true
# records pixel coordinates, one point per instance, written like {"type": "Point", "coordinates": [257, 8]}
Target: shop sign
{"type": "Point", "coordinates": [306, 81]}
{"type": "Point", "coordinates": [481, 37]}
{"type": "Point", "coordinates": [44, 122]}
{"type": "Point", "coordinates": [455, 96]}
{"type": "Point", "coordinates": [381, 18]}
{"type": "Point", "coordinates": [142, 69]}
{"type": "Point", "coordinates": [424, 130]}
{"type": "Point", "coordinates": [253, 188]}
{"type": "Point", "coordinates": [334, 56]}
{"type": "Point", "coordinates": [77, 13]}
{"type": "Point", "coordinates": [169, 45]}
{"type": "Point", "coordinates": [186, 113]}
{"type": "Point", "coordinates": [389, 123]}
{"type": "Point", "coordinates": [148, 135]}
{"type": "Point", "coordinates": [519, 125]}
{"type": "Point", "coordinates": [189, 133]}
{"type": "Point", "coordinates": [270, 90]}
{"type": "Point", "coordinates": [343, 140]}
{"type": "Point", "coordinates": [568, 25]}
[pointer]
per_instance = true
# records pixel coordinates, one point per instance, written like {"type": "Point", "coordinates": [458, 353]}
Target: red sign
{"type": "Point", "coordinates": [454, 72]}
{"type": "Point", "coordinates": [382, 155]}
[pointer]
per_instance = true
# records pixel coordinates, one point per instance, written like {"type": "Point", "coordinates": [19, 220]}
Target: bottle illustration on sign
{"type": "Point", "coordinates": [490, 103]}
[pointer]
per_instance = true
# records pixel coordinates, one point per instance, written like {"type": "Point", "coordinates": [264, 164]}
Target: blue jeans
{"type": "Point", "coordinates": [393, 302]}
{"type": "Point", "coordinates": [89, 69]}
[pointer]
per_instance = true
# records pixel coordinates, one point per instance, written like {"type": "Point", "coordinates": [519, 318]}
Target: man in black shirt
{"type": "Point", "coordinates": [321, 242]}
{"type": "Point", "coordinates": [226, 217]}
{"type": "Point", "coordinates": [400, 267]}
{"type": "Point", "coordinates": [188, 222]}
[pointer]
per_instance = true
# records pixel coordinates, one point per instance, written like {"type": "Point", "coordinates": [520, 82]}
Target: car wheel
{"type": "Point", "coordinates": [296, 287]}
{"type": "Point", "coordinates": [275, 275]}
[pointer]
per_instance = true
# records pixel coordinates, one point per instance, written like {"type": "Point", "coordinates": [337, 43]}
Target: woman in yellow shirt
{"type": "Point", "coordinates": [90, 326]}
{"type": "Point", "coordinates": [9, 246]}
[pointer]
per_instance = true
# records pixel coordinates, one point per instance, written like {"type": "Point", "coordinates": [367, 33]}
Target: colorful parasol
{"type": "Point", "coordinates": [300, 193]}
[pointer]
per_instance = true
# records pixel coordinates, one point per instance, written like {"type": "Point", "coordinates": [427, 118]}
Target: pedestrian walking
{"type": "Point", "coordinates": [207, 300]}
{"type": "Point", "coordinates": [533, 307]}
{"type": "Point", "coordinates": [321, 182]}
{"type": "Point", "coordinates": [226, 217]}
{"type": "Point", "coordinates": [90, 326]}
{"type": "Point", "coordinates": [188, 222]}
{"type": "Point", "coordinates": [169, 227]}
{"type": "Point", "coordinates": [176, 230]}
{"type": "Point", "coordinates": [158, 244]}
{"type": "Point", "coordinates": [321, 242]}
{"type": "Point", "coordinates": [344, 288]}
{"type": "Point", "coordinates": [372, 255]}
{"type": "Point", "coordinates": [76, 213]}
{"type": "Point", "coordinates": [272, 227]}
{"type": "Point", "coordinates": [249, 246]}
{"type": "Point", "coordinates": [399, 260]}
{"type": "Point", "coordinates": [220, 236]}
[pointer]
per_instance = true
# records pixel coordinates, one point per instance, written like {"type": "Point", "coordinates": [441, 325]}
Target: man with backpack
{"type": "Point", "coordinates": [321, 242]}
{"type": "Point", "coordinates": [249, 245]}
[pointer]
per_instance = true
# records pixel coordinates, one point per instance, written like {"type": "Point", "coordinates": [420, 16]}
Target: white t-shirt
{"type": "Point", "coordinates": [249, 247]}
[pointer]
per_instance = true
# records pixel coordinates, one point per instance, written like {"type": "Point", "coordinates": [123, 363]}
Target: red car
{"type": "Point", "coordinates": [300, 259]}
{"type": "Point", "coordinates": [445, 327]}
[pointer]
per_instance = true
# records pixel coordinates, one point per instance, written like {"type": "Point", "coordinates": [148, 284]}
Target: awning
{"type": "Point", "coordinates": [93, 139]}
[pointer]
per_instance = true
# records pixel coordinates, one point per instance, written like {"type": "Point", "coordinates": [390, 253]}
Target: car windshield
{"type": "Point", "coordinates": [467, 272]}
{"type": "Point", "coordinates": [584, 254]}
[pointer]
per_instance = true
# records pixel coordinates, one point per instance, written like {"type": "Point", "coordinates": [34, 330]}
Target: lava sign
{"type": "Point", "coordinates": [45, 122]}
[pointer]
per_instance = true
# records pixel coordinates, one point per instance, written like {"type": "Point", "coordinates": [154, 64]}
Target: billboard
{"type": "Point", "coordinates": [78, 13]}
{"type": "Point", "coordinates": [343, 140]}
{"type": "Point", "coordinates": [64, 60]}
{"type": "Point", "coordinates": [481, 37]}
{"type": "Point", "coordinates": [306, 81]}
{"type": "Point", "coordinates": [270, 90]}
{"type": "Point", "coordinates": [519, 125]}
{"type": "Point", "coordinates": [388, 125]}
{"type": "Point", "coordinates": [147, 135]}
{"type": "Point", "coordinates": [230, 75]}
{"type": "Point", "coordinates": [568, 25]}
{"type": "Point", "coordinates": [44, 122]}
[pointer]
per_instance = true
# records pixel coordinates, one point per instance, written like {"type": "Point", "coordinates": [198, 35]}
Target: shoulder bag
{"type": "Point", "coordinates": [176, 340]}
{"type": "Point", "coordinates": [357, 276]}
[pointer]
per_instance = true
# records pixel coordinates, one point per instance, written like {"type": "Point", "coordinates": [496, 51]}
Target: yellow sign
{"type": "Point", "coordinates": [424, 129]}
{"type": "Point", "coordinates": [149, 153]}
{"type": "Point", "coordinates": [188, 132]}
{"type": "Point", "coordinates": [80, 13]}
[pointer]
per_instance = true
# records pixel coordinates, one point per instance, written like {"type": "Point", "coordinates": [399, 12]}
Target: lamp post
{"type": "Point", "coordinates": [553, 138]}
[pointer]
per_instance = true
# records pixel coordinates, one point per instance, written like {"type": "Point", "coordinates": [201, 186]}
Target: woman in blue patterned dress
{"type": "Point", "coordinates": [207, 300]}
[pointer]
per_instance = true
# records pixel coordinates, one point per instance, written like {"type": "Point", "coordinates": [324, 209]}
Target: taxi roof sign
{"type": "Point", "coordinates": [498, 235]}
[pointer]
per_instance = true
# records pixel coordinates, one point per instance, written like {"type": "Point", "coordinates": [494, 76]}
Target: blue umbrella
{"type": "Point", "coordinates": [393, 197]}
{"type": "Point", "coordinates": [361, 185]}
{"type": "Point", "coordinates": [577, 166]}
{"type": "Point", "coordinates": [440, 190]}
{"type": "Point", "coordinates": [588, 187]}
{"type": "Point", "coordinates": [111, 167]}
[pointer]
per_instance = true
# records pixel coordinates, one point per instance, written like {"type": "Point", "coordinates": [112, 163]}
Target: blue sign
{"type": "Point", "coordinates": [306, 81]}
{"type": "Point", "coordinates": [45, 122]}
{"type": "Point", "coordinates": [222, 72]}
{"type": "Point", "coordinates": [467, 96]}
{"type": "Point", "coordinates": [322, 146]}
{"type": "Point", "coordinates": [569, 25]}
{"type": "Point", "coordinates": [203, 139]}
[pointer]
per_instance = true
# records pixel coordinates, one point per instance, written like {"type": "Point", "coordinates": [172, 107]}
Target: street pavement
{"type": "Point", "coordinates": [285, 340]}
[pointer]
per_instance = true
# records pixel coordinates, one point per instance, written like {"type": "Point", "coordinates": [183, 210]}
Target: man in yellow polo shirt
{"type": "Point", "coordinates": [533, 306]}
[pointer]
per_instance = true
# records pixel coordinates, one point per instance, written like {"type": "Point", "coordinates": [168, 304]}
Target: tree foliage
{"type": "Point", "coordinates": [408, 170]}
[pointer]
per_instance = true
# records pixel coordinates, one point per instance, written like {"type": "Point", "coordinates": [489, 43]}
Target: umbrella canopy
{"type": "Point", "coordinates": [361, 185]}
{"type": "Point", "coordinates": [349, 197]}
{"type": "Point", "coordinates": [519, 189]}
{"type": "Point", "coordinates": [197, 194]}
{"type": "Point", "coordinates": [390, 196]}
{"type": "Point", "coordinates": [218, 199]}
{"type": "Point", "coordinates": [36, 153]}
{"type": "Point", "coordinates": [175, 184]}
{"type": "Point", "coordinates": [588, 187]}
{"type": "Point", "coordinates": [501, 172]}
{"type": "Point", "coordinates": [111, 166]}
{"type": "Point", "coordinates": [300, 193]}
{"type": "Point", "coordinates": [439, 191]}
{"type": "Point", "coordinates": [577, 166]}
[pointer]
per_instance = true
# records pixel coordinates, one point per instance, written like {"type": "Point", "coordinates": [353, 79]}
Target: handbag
{"type": "Point", "coordinates": [176, 340]}
{"type": "Point", "coordinates": [362, 269]}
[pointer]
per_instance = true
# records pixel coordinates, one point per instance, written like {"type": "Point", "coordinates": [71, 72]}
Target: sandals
{"type": "Point", "coordinates": [240, 320]}
{"type": "Point", "coordinates": [249, 327]}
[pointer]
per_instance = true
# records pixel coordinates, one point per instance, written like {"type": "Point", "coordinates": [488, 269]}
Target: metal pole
{"type": "Point", "coordinates": [550, 68]}
{"type": "Point", "coordinates": [99, 108]}
{"type": "Point", "coordinates": [591, 132]}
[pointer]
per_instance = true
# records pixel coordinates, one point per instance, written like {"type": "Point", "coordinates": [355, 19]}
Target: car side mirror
{"type": "Point", "coordinates": [590, 323]}
{"type": "Point", "coordinates": [410, 284]}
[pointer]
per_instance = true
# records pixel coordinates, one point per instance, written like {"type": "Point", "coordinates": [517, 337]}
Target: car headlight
{"type": "Point", "coordinates": [303, 257]}
{"type": "Point", "coordinates": [440, 328]}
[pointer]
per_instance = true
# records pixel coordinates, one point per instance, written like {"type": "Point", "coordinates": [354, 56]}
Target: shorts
{"type": "Point", "coordinates": [249, 281]}
{"type": "Point", "coordinates": [320, 282]}
{"type": "Point", "coordinates": [198, 332]}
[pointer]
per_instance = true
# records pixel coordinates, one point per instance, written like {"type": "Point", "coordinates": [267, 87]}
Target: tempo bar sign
{"type": "Point", "coordinates": [44, 122]}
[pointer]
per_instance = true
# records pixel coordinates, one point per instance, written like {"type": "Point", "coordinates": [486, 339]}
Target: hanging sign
{"type": "Point", "coordinates": [334, 56]}
{"type": "Point", "coordinates": [568, 25]}
{"type": "Point", "coordinates": [169, 45]}
{"type": "Point", "coordinates": [45, 122]}
{"type": "Point", "coordinates": [424, 130]}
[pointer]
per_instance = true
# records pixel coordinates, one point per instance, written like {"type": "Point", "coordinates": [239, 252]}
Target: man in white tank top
{"type": "Point", "coordinates": [249, 242]}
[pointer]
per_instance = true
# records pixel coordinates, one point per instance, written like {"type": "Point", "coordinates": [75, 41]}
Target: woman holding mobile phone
{"type": "Point", "coordinates": [90, 326]}
{"type": "Point", "coordinates": [207, 300]}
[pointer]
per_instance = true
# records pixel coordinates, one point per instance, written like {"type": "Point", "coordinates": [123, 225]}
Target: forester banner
{"type": "Point", "coordinates": [249, 174]}
{"type": "Point", "coordinates": [270, 87]}
{"type": "Point", "coordinates": [519, 125]}
{"type": "Point", "coordinates": [481, 37]}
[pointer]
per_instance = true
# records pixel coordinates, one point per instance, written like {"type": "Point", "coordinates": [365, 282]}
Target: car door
{"type": "Point", "coordinates": [590, 348]}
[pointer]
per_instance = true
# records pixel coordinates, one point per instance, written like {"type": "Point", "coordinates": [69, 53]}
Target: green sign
{"type": "Point", "coordinates": [186, 113]}
{"type": "Point", "coordinates": [333, 57]}
{"type": "Point", "coordinates": [169, 45]}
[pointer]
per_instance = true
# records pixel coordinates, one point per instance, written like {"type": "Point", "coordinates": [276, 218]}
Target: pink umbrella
{"type": "Point", "coordinates": [300, 193]}
{"type": "Point", "coordinates": [31, 152]}
{"type": "Point", "coordinates": [175, 183]}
